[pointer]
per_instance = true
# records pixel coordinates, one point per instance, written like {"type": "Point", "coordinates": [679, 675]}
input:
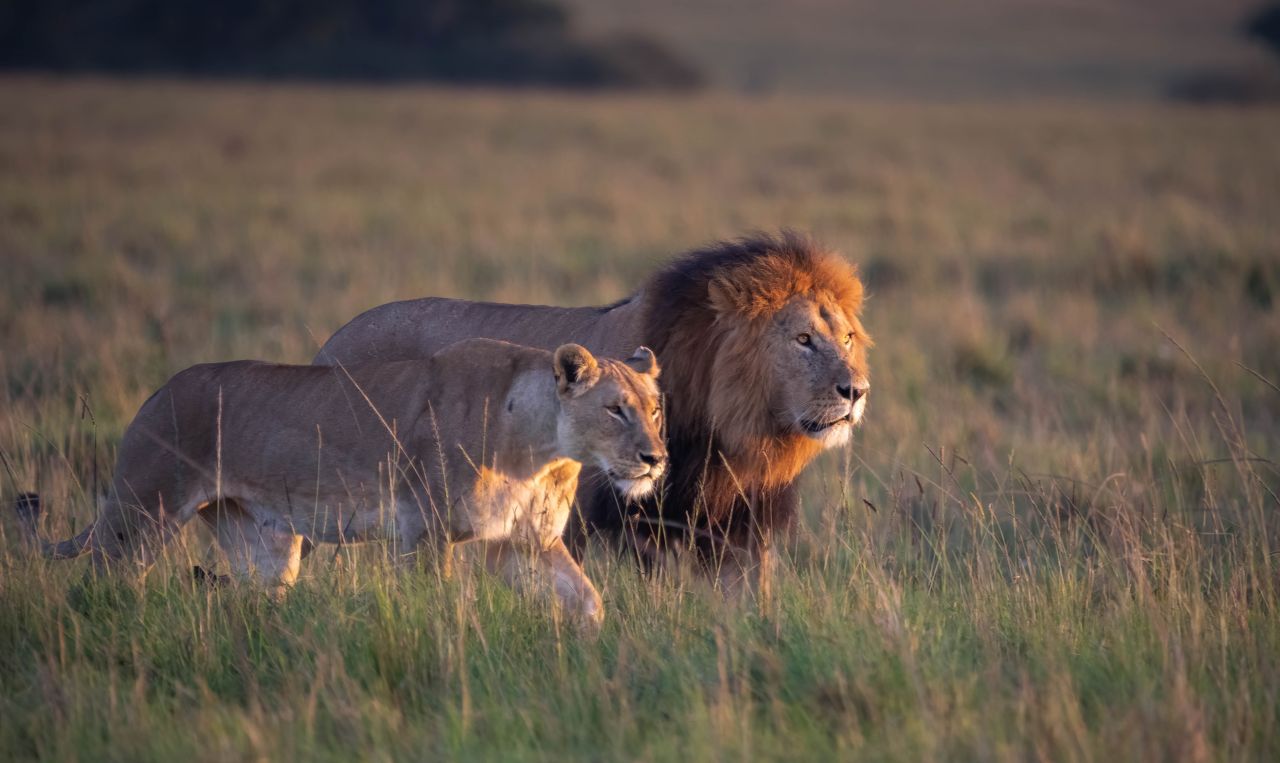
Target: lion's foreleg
{"type": "Point", "coordinates": [743, 570]}
{"type": "Point", "coordinates": [763, 552]}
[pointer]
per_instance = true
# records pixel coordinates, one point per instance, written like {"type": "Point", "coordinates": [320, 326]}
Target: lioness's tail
{"type": "Point", "coordinates": [27, 507]}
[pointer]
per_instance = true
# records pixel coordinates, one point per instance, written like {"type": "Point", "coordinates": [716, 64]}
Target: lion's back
{"type": "Point", "coordinates": [389, 332]}
{"type": "Point", "coordinates": [419, 328]}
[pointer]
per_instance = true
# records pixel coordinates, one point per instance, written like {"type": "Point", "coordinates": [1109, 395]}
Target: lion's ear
{"type": "Point", "coordinates": [575, 368]}
{"type": "Point", "coordinates": [741, 295]}
{"type": "Point", "coordinates": [722, 295]}
{"type": "Point", "coordinates": [643, 361]}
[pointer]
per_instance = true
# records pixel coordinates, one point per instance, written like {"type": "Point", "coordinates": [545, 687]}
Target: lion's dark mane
{"type": "Point", "coordinates": [729, 481]}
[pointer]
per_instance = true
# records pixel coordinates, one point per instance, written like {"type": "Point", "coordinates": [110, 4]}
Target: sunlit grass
{"type": "Point", "coordinates": [1054, 537]}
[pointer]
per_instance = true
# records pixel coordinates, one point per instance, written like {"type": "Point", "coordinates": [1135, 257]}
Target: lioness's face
{"type": "Point", "coordinates": [611, 416]}
{"type": "Point", "coordinates": [819, 363]}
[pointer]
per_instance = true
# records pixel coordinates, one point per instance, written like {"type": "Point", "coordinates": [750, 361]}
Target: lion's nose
{"type": "Point", "coordinates": [853, 392]}
{"type": "Point", "coordinates": [651, 458]}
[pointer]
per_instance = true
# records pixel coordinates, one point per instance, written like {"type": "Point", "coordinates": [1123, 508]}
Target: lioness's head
{"type": "Point", "coordinates": [611, 416]}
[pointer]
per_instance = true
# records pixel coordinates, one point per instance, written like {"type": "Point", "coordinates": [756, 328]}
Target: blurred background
{"type": "Point", "coordinates": [1198, 49]}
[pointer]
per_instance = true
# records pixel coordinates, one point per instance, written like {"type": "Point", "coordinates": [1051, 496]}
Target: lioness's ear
{"type": "Point", "coordinates": [575, 368]}
{"type": "Point", "coordinates": [643, 361]}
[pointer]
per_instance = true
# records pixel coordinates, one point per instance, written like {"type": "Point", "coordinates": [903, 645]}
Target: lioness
{"type": "Point", "coordinates": [765, 365]}
{"type": "Point", "coordinates": [483, 441]}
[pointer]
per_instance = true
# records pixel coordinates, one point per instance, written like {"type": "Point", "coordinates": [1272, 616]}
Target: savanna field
{"type": "Point", "coordinates": [1054, 537]}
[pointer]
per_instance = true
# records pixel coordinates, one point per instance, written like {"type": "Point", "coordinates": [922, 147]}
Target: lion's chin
{"type": "Point", "coordinates": [835, 435]}
{"type": "Point", "coordinates": [634, 490]}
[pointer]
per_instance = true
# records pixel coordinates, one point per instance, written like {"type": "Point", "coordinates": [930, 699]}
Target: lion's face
{"type": "Point", "coordinates": [817, 357]}
{"type": "Point", "coordinates": [611, 416]}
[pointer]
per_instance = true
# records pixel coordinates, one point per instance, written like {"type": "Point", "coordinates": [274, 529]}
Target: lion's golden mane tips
{"type": "Point", "coordinates": [703, 319]}
{"type": "Point", "coordinates": [757, 275]}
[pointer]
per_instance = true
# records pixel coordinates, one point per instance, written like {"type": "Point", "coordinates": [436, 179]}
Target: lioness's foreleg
{"type": "Point", "coordinates": [267, 551]}
{"type": "Point", "coordinates": [553, 568]}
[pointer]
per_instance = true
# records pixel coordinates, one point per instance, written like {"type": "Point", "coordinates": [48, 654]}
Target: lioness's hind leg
{"type": "Point", "coordinates": [268, 552]}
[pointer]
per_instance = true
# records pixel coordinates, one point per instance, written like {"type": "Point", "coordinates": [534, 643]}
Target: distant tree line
{"type": "Point", "coordinates": [1264, 26]}
{"type": "Point", "coordinates": [1241, 85]}
{"type": "Point", "coordinates": [466, 41]}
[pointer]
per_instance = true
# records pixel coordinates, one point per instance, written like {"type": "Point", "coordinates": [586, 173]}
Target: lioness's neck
{"type": "Point", "coordinates": [530, 416]}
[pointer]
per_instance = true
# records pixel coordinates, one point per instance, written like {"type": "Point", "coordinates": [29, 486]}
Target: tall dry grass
{"type": "Point", "coordinates": [1053, 538]}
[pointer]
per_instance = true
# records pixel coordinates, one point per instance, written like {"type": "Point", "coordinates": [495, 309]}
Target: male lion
{"type": "Point", "coordinates": [482, 441]}
{"type": "Point", "coordinates": [765, 366]}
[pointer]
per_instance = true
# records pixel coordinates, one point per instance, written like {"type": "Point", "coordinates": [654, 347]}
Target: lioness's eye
{"type": "Point", "coordinates": [804, 339]}
{"type": "Point", "coordinates": [616, 410]}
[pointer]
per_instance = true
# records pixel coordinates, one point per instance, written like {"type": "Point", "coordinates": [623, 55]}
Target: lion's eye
{"type": "Point", "coordinates": [804, 339]}
{"type": "Point", "coordinates": [848, 339]}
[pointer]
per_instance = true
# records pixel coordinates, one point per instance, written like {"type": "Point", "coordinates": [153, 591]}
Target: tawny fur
{"type": "Point", "coordinates": [719, 320]}
{"type": "Point", "coordinates": [482, 441]}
